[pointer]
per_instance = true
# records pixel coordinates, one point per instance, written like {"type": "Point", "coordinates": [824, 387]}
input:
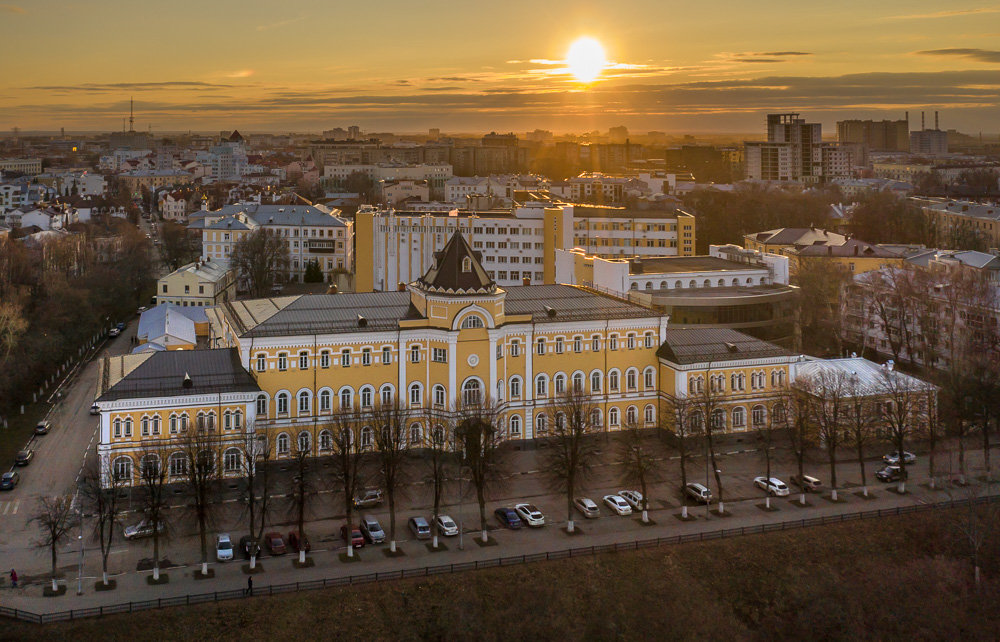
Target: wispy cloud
{"type": "Point", "coordinates": [982, 55]}
{"type": "Point", "coordinates": [12, 8]}
{"type": "Point", "coordinates": [138, 86]}
{"type": "Point", "coordinates": [240, 73]}
{"type": "Point", "coordinates": [942, 14]}
{"type": "Point", "coordinates": [762, 56]}
{"type": "Point", "coordinates": [280, 23]}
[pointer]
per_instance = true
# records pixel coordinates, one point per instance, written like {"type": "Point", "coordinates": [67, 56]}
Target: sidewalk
{"type": "Point", "coordinates": [230, 579]}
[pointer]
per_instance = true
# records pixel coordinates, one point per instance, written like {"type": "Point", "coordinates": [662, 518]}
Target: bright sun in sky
{"type": "Point", "coordinates": [585, 59]}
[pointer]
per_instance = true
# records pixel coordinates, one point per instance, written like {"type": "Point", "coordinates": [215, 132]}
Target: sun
{"type": "Point", "coordinates": [585, 59]}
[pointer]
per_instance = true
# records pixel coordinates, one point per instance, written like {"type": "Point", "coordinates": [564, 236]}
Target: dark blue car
{"type": "Point", "coordinates": [508, 517]}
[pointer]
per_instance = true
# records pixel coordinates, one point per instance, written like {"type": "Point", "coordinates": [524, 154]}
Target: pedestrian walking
{"type": "Point", "coordinates": [248, 591]}
{"type": "Point", "coordinates": [13, 578]}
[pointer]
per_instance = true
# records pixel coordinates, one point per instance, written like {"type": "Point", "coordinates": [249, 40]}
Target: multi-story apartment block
{"type": "Point", "coordinates": [795, 151]}
{"type": "Point", "coordinates": [518, 243]}
{"type": "Point", "coordinates": [313, 233]}
{"type": "Point", "coordinates": [135, 180]}
{"type": "Point", "coordinates": [877, 135]}
{"type": "Point", "coordinates": [436, 175]}
{"type": "Point", "coordinates": [30, 166]}
{"type": "Point", "coordinates": [963, 222]}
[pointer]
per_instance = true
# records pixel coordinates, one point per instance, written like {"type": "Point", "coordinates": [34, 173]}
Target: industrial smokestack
{"type": "Point", "coordinates": [907, 120]}
{"type": "Point", "coordinates": [923, 126]}
{"type": "Point", "coordinates": [936, 120]}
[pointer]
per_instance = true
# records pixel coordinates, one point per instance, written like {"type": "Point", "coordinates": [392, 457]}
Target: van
{"type": "Point", "coordinates": [807, 484]}
{"type": "Point", "coordinates": [698, 492]}
{"type": "Point", "coordinates": [421, 529]}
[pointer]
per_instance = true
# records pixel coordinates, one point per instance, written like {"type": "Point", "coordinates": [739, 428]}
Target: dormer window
{"type": "Point", "coordinates": [466, 264]}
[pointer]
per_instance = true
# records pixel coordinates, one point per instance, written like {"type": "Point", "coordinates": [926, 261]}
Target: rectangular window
{"type": "Point", "coordinates": [613, 342]}
{"type": "Point", "coordinates": [261, 362]}
{"type": "Point", "coordinates": [540, 346]}
{"type": "Point", "coordinates": [559, 345]}
{"type": "Point", "coordinates": [324, 359]}
{"type": "Point", "coordinates": [345, 358]}
{"type": "Point", "coordinates": [303, 361]}
{"type": "Point", "coordinates": [414, 354]}
{"type": "Point", "coordinates": [386, 356]}
{"type": "Point", "coordinates": [366, 357]}
{"type": "Point", "coordinates": [515, 348]}
{"type": "Point", "coordinates": [440, 355]}
{"type": "Point", "coordinates": [282, 361]}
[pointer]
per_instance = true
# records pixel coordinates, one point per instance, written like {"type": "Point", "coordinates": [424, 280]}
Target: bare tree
{"type": "Point", "coordinates": [903, 411]}
{"type": "Point", "coordinates": [348, 461]}
{"type": "Point", "coordinates": [481, 436]}
{"type": "Point", "coordinates": [259, 257]}
{"type": "Point", "coordinates": [55, 518]}
{"type": "Point", "coordinates": [639, 457]}
{"type": "Point", "coordinates": [708, 401]}
{"type": "Point", "coordinates": [303, 486]}
{"type": "Point", "coordinates": [255, 450]}
{"type": "Point", "coordinates": [200, 478]}
{"type": "Point", "coordinates": [439, 460]}
{"type": "Point", "coordinates": [823, 396]}
{"type": "Point", "coordinates": [568, 460]}
{"type": "Point", "coordinates": [391, 452]}
{"type": "Point", "coordinates": [153, 482]}
{"type": "Point", "coordinates": [795, 416]}
{"type": "Point", "coordinates": [859, 420]}
{"type": "Point", "coordinates": [765, 434]}
{"type": "Point", "coordinates": [100, 489]}
{"type": "Point", "coordinates": [687, 430]}
{"type": "Point", "coordinates": [974, 521]}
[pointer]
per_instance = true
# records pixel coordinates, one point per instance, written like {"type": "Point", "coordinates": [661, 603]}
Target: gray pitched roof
{"type": "Point", "coordinates": [311, 215]}
{"type": "Point", "coordinates": [457, 269]}
{"type": "Point", "coordinates": [703, 345]}
{"type": "Point", "coordinates": [161, 374]}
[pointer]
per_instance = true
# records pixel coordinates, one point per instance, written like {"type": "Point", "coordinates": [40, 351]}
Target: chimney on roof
{"type": "Point", "coordinates": [526, 280]}
{"type": "Point", "coordinates": [550, 311]}
{"type": "Point", "coordinates": [855, 250]}
{"type": "Point", "coordinates": [829, 250]}
{"type": "Point", "coordinates": [362, 322]}
{"type": "Point", "coordinates": [187, 383]}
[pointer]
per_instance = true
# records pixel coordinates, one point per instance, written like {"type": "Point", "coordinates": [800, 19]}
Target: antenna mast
{"type": "Point", "coordinates": [131, 118]}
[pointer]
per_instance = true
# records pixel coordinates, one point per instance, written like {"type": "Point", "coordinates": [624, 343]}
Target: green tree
{"type": "Point", "coordinates": [314, 274]}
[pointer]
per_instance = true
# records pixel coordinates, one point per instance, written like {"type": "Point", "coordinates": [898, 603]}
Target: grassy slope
{"type": "Point", "coordinates": [892, 579]}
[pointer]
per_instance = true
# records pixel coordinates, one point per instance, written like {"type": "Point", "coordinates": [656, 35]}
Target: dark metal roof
{"type": "Point", "coordinates": [568, 304]}
{"type": "Point", "coordinates": [701, 345]}
{"type": "Point", "coordinates": [163, 373]}
{"type": "Point", "coordinates": [326, 313]}
{"type": "Point", "coordinates": [458, 269]}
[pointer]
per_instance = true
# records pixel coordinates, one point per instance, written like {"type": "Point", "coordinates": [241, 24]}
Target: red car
{"type": "Point", "coordinates": [297, 542]}
{"type": "Point", "coordinates": [356, 538]}
{"type": "Point", "coordinates": [275, 545]}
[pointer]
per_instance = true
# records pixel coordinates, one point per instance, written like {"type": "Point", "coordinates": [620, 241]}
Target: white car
{"type": "Point", "coordinates": [587, 506]}
{"type": "Point", "coordinates": [633, 497]}
{"type": "Point", "coordinates": [618, 504]}
{"type": "Point", "coordinates": [773, 486]}
{"type": "Point", "coordinates": [142, 529]}
{"type": "Point", "coordinates": [446, 526]}
{"type": "Point", "coordinates": [223, 547]}
{"type": "Point", "coordinates": [530, 515]}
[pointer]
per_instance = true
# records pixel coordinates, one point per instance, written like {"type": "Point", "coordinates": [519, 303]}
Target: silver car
{"type": "Point", "coordinates": [372, 530]}
{"type": "Point", "coordinates": [587, 507]}
{"type": "Point", "coordinates": [446, 525]}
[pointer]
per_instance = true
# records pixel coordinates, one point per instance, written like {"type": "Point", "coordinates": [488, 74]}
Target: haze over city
{"type": "Point", "coordinates": [670, 66]}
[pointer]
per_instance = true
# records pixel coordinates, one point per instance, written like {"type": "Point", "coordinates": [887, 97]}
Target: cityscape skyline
{"type": "Point", "coordinates": [445, 67]}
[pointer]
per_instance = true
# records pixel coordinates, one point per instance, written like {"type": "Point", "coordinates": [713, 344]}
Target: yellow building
{"type": "Point", "coordinates": [783, 239]}
{"type": "Point", "coordinates": [854, 256]}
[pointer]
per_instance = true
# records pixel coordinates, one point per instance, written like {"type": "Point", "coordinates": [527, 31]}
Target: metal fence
{"type": "Point", "coordinates": [367, 578]}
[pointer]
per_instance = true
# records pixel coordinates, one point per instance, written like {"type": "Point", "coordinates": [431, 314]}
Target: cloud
{"type": "Point", "coordinates": [763, 56]}
{"type": "Point", "coordinates": [12, 8]}
{"type": "Point", "coordinates": [942, 14]}
{"type": "Point", "coordinates": [453, 79]}
{"type": "Point", "coordinates": [240, 73]}
{"type": "Point", "coordinates": [139, 86]}
{"type": "Point", "coordinates": [280, 23]}
{"type": "Point", "coordinates": [402, 83]}
{"type": "Point", "coordinates": [982, 55]}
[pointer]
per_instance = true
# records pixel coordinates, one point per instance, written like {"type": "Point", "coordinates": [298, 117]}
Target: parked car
{"type": "Point", "coordinates": [275, 545]}
{"type": "Point", "coordinates": [142, 529]}
{"type": "Point", "coordinates": [530, 515]}
{"type": "Point", "coordinates": [9, 480]}
{"type": "Point", "coordinates": [121, 326]}
{"type": "Point", "coordinates": [43, 427]}
{"type": "Point", "coordinates": [368, 499]}
{"type": "Point", "coordinates": [618, 505]}
{"type": "Point", "coordinates": [298, 543]}
{"type": "Point", "coordinates": [890, 474]}
{"type": "Point", "coordinates": [508, 517]}
{"type": "Point", "coordinates": [587, 507]}
{"type": "Point", "coordinates": [893, 458]}
{"type": "Point", "coordinates": [807, 484]}
{"type": "Point", "coordinates": [372, 530]}
{"type": "Point", "coordinates": [420, 528]}
{"type": "Point", "coordinates": [698, 492]}
{"type": "Point", "coordinates": [633, 497]}
{"type": "Point", "coordinates": [774, 486]}
{"type": "Point", "coordinates": [24, 457]}
{"type": "Point", "coordinates": [114, 332]}
{"type": "Point", "coordinates": [352, 536]}
{"type": "Point", "coordinates": [249, 547]}
{"type": "Point", "coordinates": [446, 525]}
{"type": "Point", "coordinates": [95, 409]}
{"type": "Point", "coordinates": [223, 547]}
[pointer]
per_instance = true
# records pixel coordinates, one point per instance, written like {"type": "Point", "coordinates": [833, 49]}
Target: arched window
{"type": "Point", "coordinates": [758, 416]}
{"type": "Point", "coordinates": [466, 264]}
{"type": "Point", "coordinates": [778, 413]}
{"type": "Point", "coordinates": [472, 321]}
{"type": "Point", "coordinates": [304, 442]}
{"type": "Point", "coordinates": [595, 417]}
{"type": "Point", "coordinates": [739, 418]}
{"type": "Point", "coordinates": [501, 389]}
{"type": "Point", "coordinates": [649, 415]}
{"type": "Point", "coordinates": [577, 382]}
{"type": "Point", "coordinates": [367, 437]}
{"type": "Point", "coordinates": [649, 378]}
{"type": "Point", "coordinates": [231, 460]}
{"type": "Point", "coordinates": [561, 420]}
{"type": "Point", "coordinates": [707, 283]}
{"type": "Point", "coordinates": [283, 444]}
{"type": "Point", "coordinates": [122, 469]}
{"type": "Point", "coordinates": [325, 440]}
{"type": "Point", "coordinates": [261, 408]}
{"type": "Point", "coordinates": [304, 402]}
{"type": "Point", "coordinates": [718, 419]}
{"type": "Point", "coordinates": [144, 423]}
{"type": "Point", "coordinates": [663, 285]}
{"type": "Point", "coordinates": [695, 421]}
{"type": "Point", "coordinates": [282, 399]}
{"type": "Point", "coordinates": [515, 387]}
{"type": "Point", "coordinates": [205, 461]}
{"type": "Point", "coordinates": [632, 380]}
{"type": "Point", "coordinates": [541, 424]}
{"type": "Point", "coordinates": [736, 282]}
{"type": "Point", "coordinates": [472, 394]}
{"type": "Point", "coordinates": [515, 426]}
{"type": "Point", "coordinates": [440, 398]}
{"type": "Point", "coordinates": [237, 419]}
{"type": "Point", "coordinates": [614, 417]}
{"type": "Point", "coordinates": [649, 285]}
{"type": "Point", "coordinates": [227, 420]}
{"type": "Point", "coordinates": [184, 422]}
{"type": "Point", "coordinates": [692, 284]}
{"type": "Point", "coordinates": [560, 383]}
{"type": "Point", "coordinates": [678, 285]}
{"type": "Point", "coordinates": [541, 386]}
{"type": "Point", "coordinates": [722, 282]}
{"type": "Point", "coordinates": [386, 393]}
{"type": "Point", "coordinates": [437, 435]}
{"type": "Point", "coordinates": [172, 422]}
{"type": "Point", "coordinates": [416, 435]}
{"type": "Point", "coordinates": [325, 401]}
{"type": "Point", "coordinates": [178, 464]}
{"type": "Point", "coordinates": [367, 395]}
{"type": "Point", "coordinates": [128, 426]}
{"type": "Point", "coordinates": [613, 381]}
{"type": "Point", "coordinates": [415, 394]}
{"type": "Point", "coordinates": [155, 424]}
{"type": "Point", "coordinates": [346, 399]}
{"type": "Point", "coordinates": [632, 416]}
{"type": "Point", "coordinates": [595, 381]}
{"type": "Point", "coordinates": [150, 466]}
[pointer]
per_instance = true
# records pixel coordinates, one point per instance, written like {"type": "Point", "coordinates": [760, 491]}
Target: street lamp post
{"type": "Point", "coordinates": [79, 575]}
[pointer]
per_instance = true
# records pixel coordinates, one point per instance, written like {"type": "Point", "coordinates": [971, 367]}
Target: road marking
{"type": "Point", "coordinates": [8, 506]}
